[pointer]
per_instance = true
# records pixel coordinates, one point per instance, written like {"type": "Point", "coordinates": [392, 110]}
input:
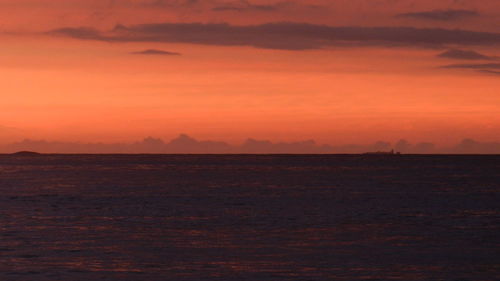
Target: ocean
{"type": "Point", "coordinates": [249, 217]}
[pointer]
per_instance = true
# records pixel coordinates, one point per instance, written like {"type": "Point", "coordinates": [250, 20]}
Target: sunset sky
{"type": "Point", "coordinates": [337, 71]}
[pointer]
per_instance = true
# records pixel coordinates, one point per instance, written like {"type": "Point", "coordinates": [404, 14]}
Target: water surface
{"type": "Point", "coordinates": [167, 217]}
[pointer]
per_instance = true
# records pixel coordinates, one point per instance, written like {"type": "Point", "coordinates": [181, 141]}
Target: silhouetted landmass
{"type": "Point", "coordinates": [184, 144]}
{"type": "Point", "coordinates": [26, 153]}
{"type": "Point", "coordinates": [382, 153]}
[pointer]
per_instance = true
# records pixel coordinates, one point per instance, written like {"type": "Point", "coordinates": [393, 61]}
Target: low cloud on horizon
{"type": "Point", "coordinates": [186, 144]}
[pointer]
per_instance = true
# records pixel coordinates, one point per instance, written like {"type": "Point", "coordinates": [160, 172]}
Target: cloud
{"type": "Point", "coordinates": [490, 71]}
{"type": "Point", "coordinates": [470, 146]}
{"type": "Point", "coordinates": [284, 36]}
{"type": "Point", "coordinates": [245, 6]}
{"type": "Point", "coordinates": [265, 8]}
{"type": "Point", "coordinates": [268, 147]}
{"type": "Point", "coordinates": [181, 144]}
{"type": "Point", "coordinates": [474, 66]}
{"type": "Point", "coordinates": [440, 15]}
{"type": "Point", "coordinates": [168, 3]}
{"type": "Point", "coordinates": [79, 32]}
{"type": "Point", "coordinates": [405, 147]}
{"type": "Point", "coordinates": [464, 55]}
{"type": "Point", "coordinates": [156, 53]}
{"type": "Point", "coordinates": [224, 6]}
{"type": "Point", "coordinates": [487, 68]}
{"type": "Point", "coordinates": [185, 144]}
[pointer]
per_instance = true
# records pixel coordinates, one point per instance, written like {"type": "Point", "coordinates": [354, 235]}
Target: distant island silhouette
{"type": "Point", "coordinates": [26, 153]}
{"type": "Point", "coordinates": [383, 153]}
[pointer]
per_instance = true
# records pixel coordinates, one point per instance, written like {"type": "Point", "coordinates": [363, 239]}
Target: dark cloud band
{"type": "Point", "coordinates": [486, 68]}
{"type": "Point", "coordinates": [475, 66]}
{"type": "Point", "coordinates": [286, 36]}
{"type": "Point", "coordinates": [464, 55]}
{"type": "Point", "coordinates": [487, 71]}
{"type": "Point", "coordinates": [440, 15]}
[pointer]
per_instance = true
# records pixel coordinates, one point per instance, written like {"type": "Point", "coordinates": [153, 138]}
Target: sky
{"type": "Point", "coordinates": [338, 71]}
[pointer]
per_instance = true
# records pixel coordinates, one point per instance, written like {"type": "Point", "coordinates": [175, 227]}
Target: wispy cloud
{"type": "Point", "coordinates": [153, 52]}
{"type": "Point", "coordinates": [440, 15]}
{"type": "Point", "coordinates": [168, 3]}
{"type": "Point", "coordinates": [464, 55]}
{"type": "Point", "coordinates": [285, 36]}
{"type": "Point", "coordinates": [486, 68]}
{"type": "Point", "coordinates": [486, 71]}
{"type": "Point", "coordinates": [246, 6]}
{"type": "Point", "coordinates": [79, 32]}
{"type": "Point", "coordinates": [474, 66]}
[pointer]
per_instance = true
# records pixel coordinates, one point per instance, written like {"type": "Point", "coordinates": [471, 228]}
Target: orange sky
{"type": "Point", "coordinates": [237, 81]}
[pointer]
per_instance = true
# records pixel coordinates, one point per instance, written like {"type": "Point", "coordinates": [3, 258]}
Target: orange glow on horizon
{"type": "Point", "coordinates": [59, 88]}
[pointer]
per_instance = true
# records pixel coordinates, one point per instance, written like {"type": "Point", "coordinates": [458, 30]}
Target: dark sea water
{"type": "Point", "coordinates": [249, 217]}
